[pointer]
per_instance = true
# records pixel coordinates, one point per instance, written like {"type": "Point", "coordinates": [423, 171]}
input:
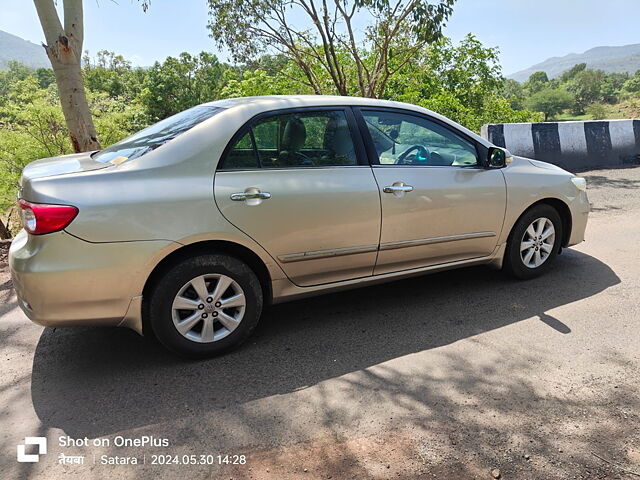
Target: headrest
{"type": "Point", "coordinates": [294, 135]}
{"type": "Point", "coordinates": [337, 138]}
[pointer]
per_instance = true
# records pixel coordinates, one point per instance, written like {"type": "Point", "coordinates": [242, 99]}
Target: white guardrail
{"type": "Point", "coordinates": [574, 146]}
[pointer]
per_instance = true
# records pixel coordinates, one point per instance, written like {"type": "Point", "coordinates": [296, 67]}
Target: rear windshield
{"type": "Point", "coordinates": [152, 137]}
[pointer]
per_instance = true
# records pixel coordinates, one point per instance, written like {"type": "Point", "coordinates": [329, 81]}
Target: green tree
{"type": "Point", "coordinates": [394, 33]}
{"type": "Point", "coordinates": [618, 79]}
{"type": "Point", "coordinates": [463, 82]}
{"type": "Point", "coordinates": [587, 88]}
{"type": "Point", "coordinates": [179, 83]}
{"type": "Point", "coordinates": [260, 82]}
{"type": "Point", "coordinates": [45, 77]}
{"type": "Point", "coordinates": [550, 101]}
{"type": "Point", "coordinates": [16, 72]}
{"type": "Point", "coordinates": [572, 72]}
{"type": "Point", "coordinates": [536, 82]}
{"type": "Point", "coordinates": [515, 92]}
{"type": "Point", "coordinates": [468, 69]}
{"type": "Point", "coordinates": [633, 84]}
{"type": "Point", "coordinates": [113, 75]}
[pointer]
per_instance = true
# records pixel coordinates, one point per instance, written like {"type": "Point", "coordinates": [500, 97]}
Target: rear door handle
{"type": "Point", "coordinates": [241, 197]}
{"type": "Point", "coordinates": [397, 188]}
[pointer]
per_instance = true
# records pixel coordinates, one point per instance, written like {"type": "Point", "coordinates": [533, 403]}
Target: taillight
{"type": "Point", "coordinates": [40, 218]}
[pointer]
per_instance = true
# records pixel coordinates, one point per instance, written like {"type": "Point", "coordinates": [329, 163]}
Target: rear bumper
{"type": "Point", "coordinates": [61, 280]}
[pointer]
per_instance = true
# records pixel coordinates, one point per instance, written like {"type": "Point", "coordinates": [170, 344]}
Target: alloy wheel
{"type": "Point", "coordinates": [208, 308]}
{"type": "Point", "coordinates": [537, 242]}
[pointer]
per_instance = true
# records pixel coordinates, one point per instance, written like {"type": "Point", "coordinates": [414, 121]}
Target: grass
{"type": "Point", "coordinates": [626, 109]}
{"type": "Point", "coordinates": [629, 108]}
{"type": "Point", "coordinates": [569, 117]}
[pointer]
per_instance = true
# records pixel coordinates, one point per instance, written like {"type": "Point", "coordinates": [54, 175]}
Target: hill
{"type": "Point", "coordinates": [15, 48]}
{"type": "Point", "coordinates": [610, 59]}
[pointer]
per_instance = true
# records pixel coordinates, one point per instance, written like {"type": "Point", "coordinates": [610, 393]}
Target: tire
{"type": "Point", "coordinates": [184, 285]}
{"type": "Point", "coordinates": [514, 262]}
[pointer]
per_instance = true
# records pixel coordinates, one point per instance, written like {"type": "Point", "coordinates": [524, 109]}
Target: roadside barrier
{"type": "Point", "coordinates": [574, 146]}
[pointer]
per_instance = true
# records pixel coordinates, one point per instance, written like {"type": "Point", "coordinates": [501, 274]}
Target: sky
{"type": "Point", "coordinates": [526, 31]}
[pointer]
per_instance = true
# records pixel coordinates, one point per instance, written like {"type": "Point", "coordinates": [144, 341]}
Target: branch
{"type": "Point", "coordinates": [381, 69]}
{"type": "Point", "coordinates": [49, 20]}
{"type": "Point", "coordinates": [277, 37]}
{"type": "Point", "coordinates": [310, 8]}
{"type": "Point", "coordinates": [331, 35]}
{"type": "Point", "coordinates": [401, 17]}
{"type": "Point", "coordinates": [286, 75]}
{"type": "Point", "coordinates": [352, 44]}
{"type": "Point", "coordinates": [73, 22]}
{"type": "Point", "coordinates": [624, 470]}
{"type": "Point", "coordinates": [300, 36]}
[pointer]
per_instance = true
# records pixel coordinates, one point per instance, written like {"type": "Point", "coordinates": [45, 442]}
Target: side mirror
{"type": "Point", "coordinates": [498, 157]}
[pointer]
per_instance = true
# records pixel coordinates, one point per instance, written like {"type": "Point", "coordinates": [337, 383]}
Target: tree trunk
{"type": "Point", "coordinates": [74, 102]}
{"type": "Point", "coordinates": [64, 49]}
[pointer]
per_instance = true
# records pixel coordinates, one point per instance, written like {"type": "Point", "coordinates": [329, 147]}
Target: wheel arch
{"type": "Point", "coordinates": [563, 210]}
{"type": "Point", "coordinates": [206, 247]}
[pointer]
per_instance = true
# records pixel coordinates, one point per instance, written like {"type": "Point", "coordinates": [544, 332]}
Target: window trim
{"type": "Point", "coordinates": [255, 149]}
{"type": "Point", "coordinates": [358, 142]}
{"type": "Point", "coordinates": [374, 160]}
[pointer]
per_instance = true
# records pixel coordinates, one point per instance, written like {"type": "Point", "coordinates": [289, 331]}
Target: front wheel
{"type": "Point", "coordinates": [534, 242]}
{"type": "Point", "coordinates": [205, 305]}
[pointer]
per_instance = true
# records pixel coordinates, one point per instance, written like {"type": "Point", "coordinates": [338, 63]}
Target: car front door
{"type": "Point", "coordinates": [439, 204]}
{"type": "Point", "coordinates": [299, 184]}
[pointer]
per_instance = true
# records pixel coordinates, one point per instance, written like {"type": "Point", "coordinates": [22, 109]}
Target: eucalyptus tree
{"type": "Point", "coordinates": [64, 38]}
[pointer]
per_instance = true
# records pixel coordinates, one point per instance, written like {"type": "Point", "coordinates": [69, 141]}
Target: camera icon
{"type": "Point", "coordinates": [23, 457]}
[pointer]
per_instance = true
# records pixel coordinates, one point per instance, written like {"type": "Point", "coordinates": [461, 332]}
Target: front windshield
{"type": "Point", "coordinates": [154, 136]}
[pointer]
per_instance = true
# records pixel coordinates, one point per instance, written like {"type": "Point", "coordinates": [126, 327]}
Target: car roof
{"type": "Point", "coordinates": [304, 100]}
{"type": "Point", "coordinates": [275, 102]}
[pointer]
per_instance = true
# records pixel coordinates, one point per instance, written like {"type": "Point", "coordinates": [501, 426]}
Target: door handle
{"type": "Point", "coordinates": [242, 196]}
{"type": "Point", "coordinates": [398, 187]}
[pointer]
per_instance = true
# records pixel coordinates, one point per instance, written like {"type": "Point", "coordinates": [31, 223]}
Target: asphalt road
{"type": "Point", "coordinates": [449, 376]}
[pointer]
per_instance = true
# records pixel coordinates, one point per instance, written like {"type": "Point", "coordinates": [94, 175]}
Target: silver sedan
{"type": "Point", "coordinates": [187, 229]}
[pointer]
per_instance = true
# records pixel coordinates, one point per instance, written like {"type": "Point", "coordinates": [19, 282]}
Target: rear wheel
{"type": "Point", "coordinates": [534, 242]}
{"type": "Point", "coordinates": [205, 305]}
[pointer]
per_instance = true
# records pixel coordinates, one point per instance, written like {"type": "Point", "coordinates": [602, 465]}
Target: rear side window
{"type": "Point", "coordinates": [243, 155]}
{"type": "Point", "coordinates": [154, 136]}
{"type": "Point", "coordinates": [295, 140]}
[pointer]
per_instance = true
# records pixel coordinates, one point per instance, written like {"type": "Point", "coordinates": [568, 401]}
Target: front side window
{"type": "Point", "coordinates": [154, 136]}
{"type": "Point", "coordinates": [303, 139]}
{"type": "Point", "coordinates": [402, 139]}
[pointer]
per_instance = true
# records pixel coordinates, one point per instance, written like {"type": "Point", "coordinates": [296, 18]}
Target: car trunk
{"type": "Point", "coordinates": [56, 166]}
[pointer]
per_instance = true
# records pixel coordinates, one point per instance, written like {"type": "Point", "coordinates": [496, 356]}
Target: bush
{"type": "Point", "coordinates": [597, 111]}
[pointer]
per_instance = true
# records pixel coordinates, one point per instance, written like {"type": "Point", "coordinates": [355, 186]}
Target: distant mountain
{"type": "Point", "coordinates": [15, 48]}
{"type": "Point", "coordinates": [609, 59]}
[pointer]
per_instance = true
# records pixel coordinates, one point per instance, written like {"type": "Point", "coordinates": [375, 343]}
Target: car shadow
{"type": "Point", "coordinates": [93, 382]}
{"type": "Point", "coordinates": [598, 181]}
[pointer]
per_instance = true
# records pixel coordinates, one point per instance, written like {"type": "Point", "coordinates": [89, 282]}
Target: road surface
{"type": "Point", "coordinates": [452, 375]}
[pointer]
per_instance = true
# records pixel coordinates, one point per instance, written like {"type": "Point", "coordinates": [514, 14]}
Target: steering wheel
{"type": "Point", "coordinates": [297, 159]}
{"type": "Point", "coordinates": [422, 153]}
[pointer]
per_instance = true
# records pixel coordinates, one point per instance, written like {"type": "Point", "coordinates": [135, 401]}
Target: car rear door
{"type": "Point", "coordinates": [439, 204]}
{"type": "Point", "coordinates": [298, 183]}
